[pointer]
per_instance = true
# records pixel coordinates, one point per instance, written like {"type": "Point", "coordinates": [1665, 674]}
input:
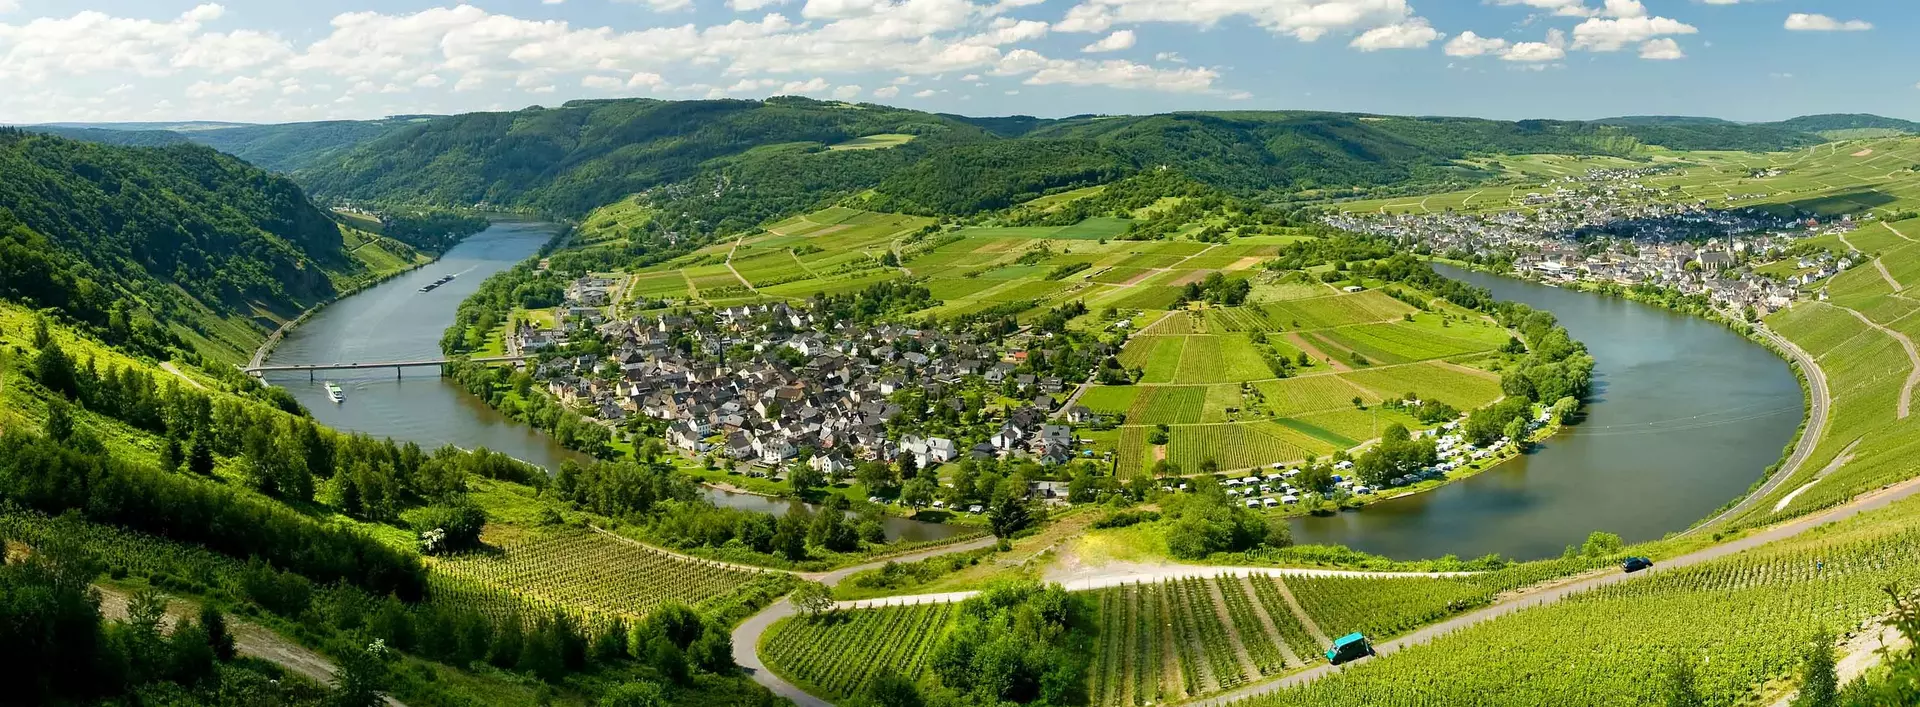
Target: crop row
{"type": "Point", "coordinates": [1742, 620]}
{"type": "Point", "coordinates": [598, 575]}
{"type": "Point", "coordinates": [837, 654]}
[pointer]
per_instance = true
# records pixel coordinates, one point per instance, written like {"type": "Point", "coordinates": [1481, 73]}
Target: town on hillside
{"type": "Point", "coordinates": [1607, 226]}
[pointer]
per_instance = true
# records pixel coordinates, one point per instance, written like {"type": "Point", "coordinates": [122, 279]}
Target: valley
{"type": "Point", "coordinates": [888, 402]}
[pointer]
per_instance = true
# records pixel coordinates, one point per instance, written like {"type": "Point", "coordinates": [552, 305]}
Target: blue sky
{"type": "Point", "coordinates": [259, 61]}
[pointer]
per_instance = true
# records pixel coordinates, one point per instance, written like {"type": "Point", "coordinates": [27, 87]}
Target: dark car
{"type": "Point", "coordinates": [1635, 564]}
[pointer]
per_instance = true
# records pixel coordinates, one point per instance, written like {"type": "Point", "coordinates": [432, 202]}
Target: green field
{"type": "Point", "coordinates": [837, 654]}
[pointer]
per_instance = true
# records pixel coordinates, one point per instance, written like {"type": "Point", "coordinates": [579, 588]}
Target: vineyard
{"type": "Point", "coordinates": [1744, 618]}
{"type": "Point", "coordinates": [1240, 445]}
{"type": "Point", "coordinates": [595, 575]}
{"type": "Point", "coordinates": [835, 655]}
{"type": "Point", "coordinates": [1192, 637]}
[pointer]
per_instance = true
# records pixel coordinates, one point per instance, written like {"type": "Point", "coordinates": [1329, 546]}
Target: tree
{"type": "Point", "coordinates": [1819, 684]}
{"type": "Point", "coordinates": [363, 676]}
{"type": "Point", "coordinates": [1010, 513]}
{"type": "Point", "coordinates": [192, 661]}
{"type": "Point", "coordinates": [1602, 544]}
{"type": "Point", "coordinates": [200, 456]}
{"type": "Point", "coordinates": [804, 479]}
{"type": "Point", "coordinates": [640, 693]}
{"type": "Point", "coordinates": [877, 476]}
{"type": "Point", "coordinates": [54, 370]}
{"type": "Point", "coordinates": [890, 689]}
{"type": "Point", "coordinates": [218, 638]}
{"type": "Point", "coordinates": [918, 493]}
{"type": "Point", "coordinates": [59, 424]}
{"type": "Point", "coordinates": [812, 599]}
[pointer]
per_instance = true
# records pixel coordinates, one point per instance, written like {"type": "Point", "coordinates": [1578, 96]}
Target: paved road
{"type": "Point", "coordinates": [1868, 502]}
{"type": "Point", "coordinates": [1809, 440]}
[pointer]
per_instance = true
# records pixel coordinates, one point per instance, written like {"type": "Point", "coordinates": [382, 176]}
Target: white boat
{"type": "Point", "coordinates": [335, 394]}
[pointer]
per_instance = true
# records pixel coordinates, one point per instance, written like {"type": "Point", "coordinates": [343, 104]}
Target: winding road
{"type": "Point", "coordinates": [1816, 428]}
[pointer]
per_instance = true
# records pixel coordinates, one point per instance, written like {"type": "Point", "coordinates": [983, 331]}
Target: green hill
{"type": "Point", "coordinates": [584, 154]}
{"type": "Point", "coordinates": [161, 246]}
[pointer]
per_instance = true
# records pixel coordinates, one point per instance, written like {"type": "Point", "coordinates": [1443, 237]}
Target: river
{"type": "Point", "coordinates": [394, 321]}
{"type": "Point", "coordinates": [1684, 417]}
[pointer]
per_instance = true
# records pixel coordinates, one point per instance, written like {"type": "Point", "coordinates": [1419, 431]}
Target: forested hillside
{"type": "Point", "coordinates": [570, 159]}
{"type": "Point", "coordinates": [153, 244]}
{"type": "Point", "coordinates": [730, 164]}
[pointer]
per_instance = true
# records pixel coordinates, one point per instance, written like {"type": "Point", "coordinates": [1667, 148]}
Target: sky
{"type": "Point", "coordinates": [284, 61]}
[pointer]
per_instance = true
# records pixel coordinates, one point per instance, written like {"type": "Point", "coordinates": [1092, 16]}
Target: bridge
{"type": "Point", "coordinates": [310, 368]}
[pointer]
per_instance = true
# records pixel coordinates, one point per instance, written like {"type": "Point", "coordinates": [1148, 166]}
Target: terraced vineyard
{"type": "Point", "coordinates": [1188, 638]}
{"type": "Point", "coordinates": [598, 576]}
{"type": "Point", "coordinates": [836, 655]}
{"type": "Point", "coordinates": [1743, 617]}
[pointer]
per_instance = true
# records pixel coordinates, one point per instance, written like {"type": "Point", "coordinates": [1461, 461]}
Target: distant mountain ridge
{"type": "Point", "coordinates": [728, 164]}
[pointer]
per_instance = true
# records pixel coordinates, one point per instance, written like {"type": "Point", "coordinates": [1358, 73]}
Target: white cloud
{"type": "Point", "coordinates": [1471, 44]}
{"type": "Point", "coordinates": [846, 93]}
{"type": "Point", "coordinates": [752, 5]}
{"type": "Point", "coordinates": [1111, 73]}
{"type": "Point", "coordinates": [886, 91]}
{"type": "Point", "coordinates": [1611, 35]}
{"type": "Point", "coordinates": [924, 93]}
{"type": "Point", "coordinates": [813, 85]}
{"type": "Point", "coordinates": [1804, 22]}
{"type": "Point", "coordinates": [1117, 41]}
{"type": "Point", "coordinates": [1663, 49]}
{"type": "Point", "coordinates": [1554, 49]}
{"type": "Point", "coordinates": [9, 5]}
{"type": "Point", "coordinates": [664, 5]}
{"type": "Point", "coordinates": [1623, 8]}
{"type": "Point", "coordinates": [1170, 56]}
{"type": "Point", "coordinates": [1412, 34]}
{"type": "Point", "coordinates": [604, 83]}
{"type": "Point", "coordinates": [1306, 20]}
{"type": "Point", "coordinates": [1564, 8]}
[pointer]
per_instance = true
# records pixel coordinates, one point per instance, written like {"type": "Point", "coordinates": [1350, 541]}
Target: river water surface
{"type": "Point", "coordinates": [394, 321]}
{"type": "Point", "coordinates": [1685, 416]}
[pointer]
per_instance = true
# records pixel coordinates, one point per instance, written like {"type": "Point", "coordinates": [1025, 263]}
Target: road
{"type": "Point", "coordinates": [1822, 402]}
{"type": "Point", "coordinates": [1868, 502]}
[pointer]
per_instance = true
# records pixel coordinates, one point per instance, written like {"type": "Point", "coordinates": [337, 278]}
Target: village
{"type": "Point", "coordinates": [1607, 227]}
{"type": "Point", "coordinates": [770, 385]}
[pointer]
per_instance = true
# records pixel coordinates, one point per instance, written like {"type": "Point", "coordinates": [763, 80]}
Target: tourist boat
{"type": "Point", "coordinates": [335, 394]}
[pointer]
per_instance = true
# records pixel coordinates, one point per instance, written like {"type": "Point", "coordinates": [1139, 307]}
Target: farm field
{"type": "Point", "coordinates": [1854, 176]}
{"type": "Point", "coordinates": [596, 575]}
{"type": "Point", "coordinates": [1743, 618]}
{"type": "Point", "coordinates": [836, 655]}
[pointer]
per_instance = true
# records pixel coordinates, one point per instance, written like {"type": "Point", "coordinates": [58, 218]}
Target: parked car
{"type": "Point", "coordinates": [1635, 564]}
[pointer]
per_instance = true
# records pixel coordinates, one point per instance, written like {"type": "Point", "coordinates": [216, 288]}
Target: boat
{"type": "Point", "coordinates": [335, 394]}
{"type": "Point", "coordinates": [429, 287]}
{"type": "Point", "coordinates": [444, 279]}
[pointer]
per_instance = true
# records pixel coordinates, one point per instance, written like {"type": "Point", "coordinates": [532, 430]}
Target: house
{"type": "Point", "coordinates": [683, 435]}
{"type": "Point", "coordinates": [1080, 415]}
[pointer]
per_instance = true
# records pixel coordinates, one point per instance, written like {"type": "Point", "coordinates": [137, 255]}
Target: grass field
{"type": "Point", "coordinates": [873, 142]}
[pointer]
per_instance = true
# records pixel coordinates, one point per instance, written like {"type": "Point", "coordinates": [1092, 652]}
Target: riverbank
{"type": "Point", "coordinates": [1806, 371]}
